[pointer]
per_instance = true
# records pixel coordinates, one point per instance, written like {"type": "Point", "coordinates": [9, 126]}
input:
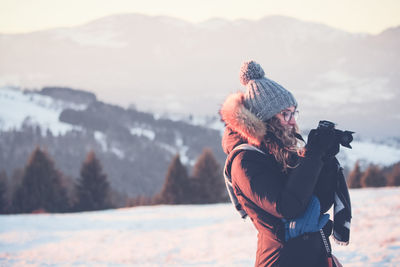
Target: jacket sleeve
{"type": "Point", "coordinates": [261, 181]}
{"type": "Point", "coordinates": [326, 185]}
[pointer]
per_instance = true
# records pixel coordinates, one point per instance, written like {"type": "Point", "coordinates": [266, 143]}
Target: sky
{"type": "Point", "coordinates": [367, 16]}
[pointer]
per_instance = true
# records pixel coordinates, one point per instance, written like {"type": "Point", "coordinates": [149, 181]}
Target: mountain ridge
{"type": "Point", "coordinates": [135, 147]}
{"type": "Point", "coordinates": [161, 65]}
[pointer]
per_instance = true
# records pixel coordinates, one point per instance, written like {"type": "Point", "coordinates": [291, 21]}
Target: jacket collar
{"type": "Point", "coordinates": [242, 121]}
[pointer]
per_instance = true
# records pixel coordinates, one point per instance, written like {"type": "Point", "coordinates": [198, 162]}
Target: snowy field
{"type": "Point", "coordinates": [204, 235]}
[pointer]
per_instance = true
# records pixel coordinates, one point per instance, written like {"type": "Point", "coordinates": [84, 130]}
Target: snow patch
{"type": "Point", "coordinates": [369, 152]}
{"type": "Point", "coordinates": [118, 152]}
{"type": "Point", "coordinates": [17, 108]}
{"type": "Point", "coordinates": [101, 139]}
{"type": "Point", "coordinates": [143, 132]}
{"type": "Point", "coordinates": [182, 150]}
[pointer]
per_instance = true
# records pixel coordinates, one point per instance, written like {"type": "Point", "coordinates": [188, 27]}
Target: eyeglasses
{"type": "Point", "coordinates": [288, 115]}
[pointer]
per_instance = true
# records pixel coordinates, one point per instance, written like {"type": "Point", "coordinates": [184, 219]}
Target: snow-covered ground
{"type": "Point", "coordinates": [203, 235]}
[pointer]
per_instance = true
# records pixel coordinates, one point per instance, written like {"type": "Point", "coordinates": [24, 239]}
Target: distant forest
{"type": "Point", "coordinates": [40, 187]}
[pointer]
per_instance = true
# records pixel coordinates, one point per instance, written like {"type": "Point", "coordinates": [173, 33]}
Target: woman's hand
{"type": "Point", "coordinates": [320, 141]}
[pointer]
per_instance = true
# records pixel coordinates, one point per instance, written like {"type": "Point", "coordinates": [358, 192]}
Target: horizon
{"type": "Point", "coordinates": [358, 16]}
{"type": "Point", "coordinates": [199, 22]}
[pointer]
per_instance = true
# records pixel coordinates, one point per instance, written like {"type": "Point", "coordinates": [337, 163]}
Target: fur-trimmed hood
{"type": "Point", "coordinates": [242, 126]}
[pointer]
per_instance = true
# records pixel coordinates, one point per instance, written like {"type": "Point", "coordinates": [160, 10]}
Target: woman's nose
{"type": "Point", "coordinates": [292, 121]}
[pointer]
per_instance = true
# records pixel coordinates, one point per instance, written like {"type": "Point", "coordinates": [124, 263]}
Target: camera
{"type": "Point", "coordinates": [342, 137]}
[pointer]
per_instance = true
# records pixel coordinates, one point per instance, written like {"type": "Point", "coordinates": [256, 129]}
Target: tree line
{"type": "Point", "coordinates": [204, 186]}
{"type": "Point", "coordinates": [374, 176]}
{"type": "Point", "coordinates": [41, 187]}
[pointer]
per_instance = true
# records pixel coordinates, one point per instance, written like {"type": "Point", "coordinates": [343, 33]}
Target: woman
{"type": "Point", "coordinates": [278, 181]}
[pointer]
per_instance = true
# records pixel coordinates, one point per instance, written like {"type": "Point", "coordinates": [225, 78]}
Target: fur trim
{"type": "Point", "coordinates": [241, 120]}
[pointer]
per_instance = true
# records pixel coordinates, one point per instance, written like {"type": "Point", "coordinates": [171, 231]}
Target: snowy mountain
{"type": "Point", "coordinates": [63, 110]}
{"type": "Point", "coordinates": [18, 108]}
{"type": "Point", "coordinates": [134, 147]}
{"type": "Point", "coordinates": [165, 64]}
{"type": "Point", "coordinates": [184, 235]}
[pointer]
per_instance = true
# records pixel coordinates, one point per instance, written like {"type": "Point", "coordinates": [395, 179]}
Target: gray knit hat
{"type": "Point", "coordinates": [264, 97]}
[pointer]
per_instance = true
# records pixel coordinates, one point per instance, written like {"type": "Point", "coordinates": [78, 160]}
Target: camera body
{"type": "Point", "coordinates": [342, 137]}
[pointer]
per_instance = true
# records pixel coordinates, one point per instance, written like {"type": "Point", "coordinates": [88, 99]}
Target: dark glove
{"type": "Point", "coordinates": [320, 141]}
{"type": "Point", "coordinates": [332, 151]}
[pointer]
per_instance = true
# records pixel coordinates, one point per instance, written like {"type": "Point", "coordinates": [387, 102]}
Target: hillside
{"type": "Point", "coordinates": [134, 147]}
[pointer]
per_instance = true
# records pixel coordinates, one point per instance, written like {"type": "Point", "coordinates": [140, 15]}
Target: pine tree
{"type": "Point", "coordinates": [373, 177]}
{"type": "Point", "coordinates": [41, 187]}
{"type": "Point", "coordinates": [3, 192]}
{"type": "Point", "coordinates": [93, 189]}
{"type": "Point", "coordinates": [354, 180]}
{"type": "Point", "coordinates": [208, 182]}
{"type": "Point", "coordinates": [13, 185]}
{"type": "Point", "coordinates": [175, 188]}
{"type": "Point", "coordinates": [393, 178]}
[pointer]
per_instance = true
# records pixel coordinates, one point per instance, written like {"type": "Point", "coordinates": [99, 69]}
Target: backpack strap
{"type": "Point", "coordinates": [228, 179]}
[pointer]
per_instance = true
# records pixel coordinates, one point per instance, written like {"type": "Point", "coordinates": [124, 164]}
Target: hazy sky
{"type": "Point", "coordinates": [371, 16]}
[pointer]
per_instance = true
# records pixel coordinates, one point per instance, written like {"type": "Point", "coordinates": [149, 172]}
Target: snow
{"type": "Point", "coordinates": [17, 108]}
{"type": "Point", "coordinates": [182, 149]}
{"type": "Point", "coordinates": [118, 152]}
{"type": "Point", "coordinates": [184, 235]}
{"type": "Point", "coordinates": [375, 235]}
{"type": "Point", "coordinates": [101, 139]}
{"type": "Point", "coordinates": [143, 132]}
{"type": "Point", "coordinates": [380, 154]}
{"type": "Point", "coordinates": [178, 148]}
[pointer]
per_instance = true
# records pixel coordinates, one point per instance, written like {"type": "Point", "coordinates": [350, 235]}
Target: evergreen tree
{"type": "Point", "coordinates": [13, 184]}
{"type": "Point", "coordinates": [208, 182]}
{"type": "Point", "coordinates": [373, 177]}
{"type": "Point", "coordinates": [393, 178]}
{"type": "Point", "coordinates": [41, 186]}
{"type": "Point", "coordinates": [93, 189]}
{"type": "Point", "coordinates": [354, 180]}
{"type": "Point", "coordinates": [3, 192]}
{"type": "Point", "coordinates": [175, 188]}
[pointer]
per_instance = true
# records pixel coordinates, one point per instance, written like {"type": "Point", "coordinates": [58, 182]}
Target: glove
{"type": "Point", "coordinates": [319, 141]}
{"type": "Point", "coordinates": [332, 151]}
{"type": "Point", "coordinates": [310, 221]}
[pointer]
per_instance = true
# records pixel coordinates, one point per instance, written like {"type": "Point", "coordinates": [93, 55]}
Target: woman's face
{"type": "Point", "coordinates": [287, 117]}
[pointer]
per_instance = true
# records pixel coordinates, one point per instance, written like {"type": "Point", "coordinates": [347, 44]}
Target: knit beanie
{"type": "Point", "coordinates": [263, 97]}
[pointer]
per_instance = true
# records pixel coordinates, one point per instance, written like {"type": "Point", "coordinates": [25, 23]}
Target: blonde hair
{"type": "Point", "coordinates": [283, 144]}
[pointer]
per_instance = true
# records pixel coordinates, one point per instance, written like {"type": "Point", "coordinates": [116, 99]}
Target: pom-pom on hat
{"type": "Point", "coordinates": [263, 97]}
